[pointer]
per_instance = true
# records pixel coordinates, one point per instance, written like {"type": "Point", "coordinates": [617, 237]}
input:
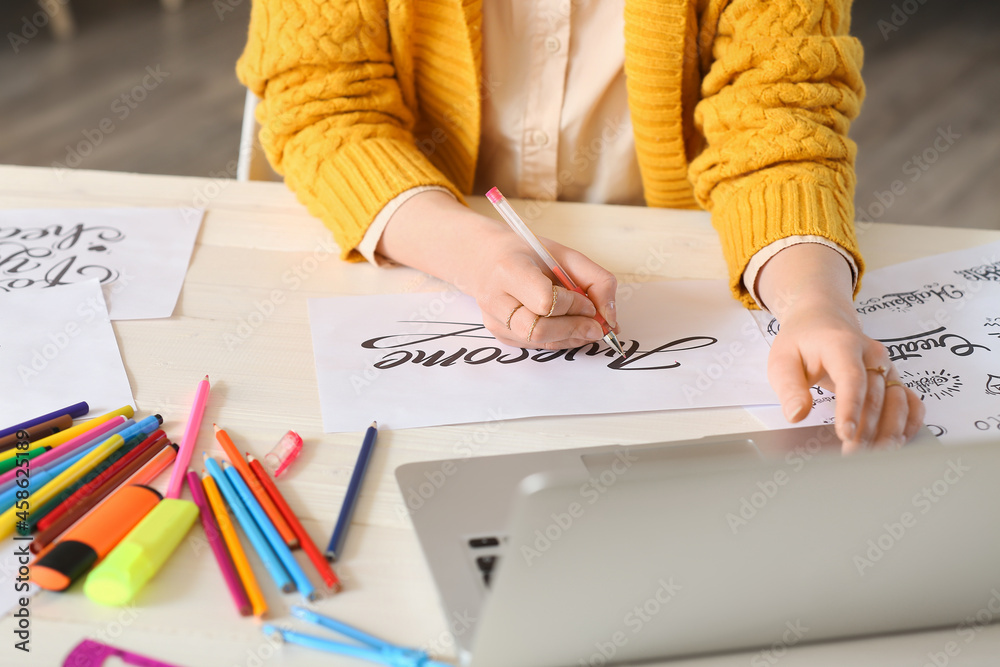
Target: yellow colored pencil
{"type": "Point", "coordinates": [9, 519]}
{"type": "Point", "coordinates": [63, 437]}
{"type": "Point", "coordinates": [250, 585]}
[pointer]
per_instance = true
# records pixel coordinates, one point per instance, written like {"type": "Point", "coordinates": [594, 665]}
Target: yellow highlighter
{"type": "Point", "coordinates": [123, 573]}
{"type": "Point", "coordinates": [135, 560]}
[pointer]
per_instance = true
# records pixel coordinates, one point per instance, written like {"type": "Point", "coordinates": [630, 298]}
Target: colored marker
{"type": "Point", "coordinates": [147, 472]}
{"type": "Point", "coordinates": [36, 481]}
{"type": "Point", "coordinates": [37, 432]}
{"type": "Point", "coordinates": [212, 534]}
{"type": "Point", "coordinates": [250, 528]}
{"type": "Point", "coordinates": [236, 552]}
{"type": "Point", "coordinates": [64, 437]}
{"type": "Point", "coordinates": [286, 532]}
{"type": "Point", "coordinates": [336, 545]}
{"type": "Point", "coordinates": [14, 516]}
{"type": "Point", "coordinates": [75, 410]}
{"type": "Point", "coordinates": [11, 463]}
{"type": "Point", "coordinates": [324, 569]}
{"type": "Point", "coordinates": [92, 538]}
{"type": "Point", "coordinates": [107, 481]}
{"type": "Point", "coordinates": [84, 440]}
{"type": "Point", "coordinates": [132, 443]}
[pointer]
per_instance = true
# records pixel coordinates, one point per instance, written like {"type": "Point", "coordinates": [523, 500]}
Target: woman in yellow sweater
{"type": "Point", "coordinates": [382, 115]}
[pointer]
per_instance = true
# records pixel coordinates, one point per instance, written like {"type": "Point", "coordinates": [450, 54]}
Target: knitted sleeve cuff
{"type": "Point", "coordinates": [762, 209]}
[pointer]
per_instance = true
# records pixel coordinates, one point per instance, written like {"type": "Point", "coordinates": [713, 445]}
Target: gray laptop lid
{"type": "Point", "coordinates": [659, 565]}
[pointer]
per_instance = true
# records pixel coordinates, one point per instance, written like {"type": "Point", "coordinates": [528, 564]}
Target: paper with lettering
{"type": "Point", "coordinates": [939, 318]}
{"type": "Point", "coordinates": [139, 255]}
{"type": "Point", "coordinates": [425, 359]}
{"type": "Point", "coordinates": [57, 348]}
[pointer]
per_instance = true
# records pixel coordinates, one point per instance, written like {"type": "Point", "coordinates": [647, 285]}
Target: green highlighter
{"type": "Point", "coordinates": [142, 552]}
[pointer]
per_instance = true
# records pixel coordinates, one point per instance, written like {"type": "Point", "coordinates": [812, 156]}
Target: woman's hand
{"type": "Point", "coordinates": [486, 260]}
{"type": "Point", "coordinates": [807, 287]}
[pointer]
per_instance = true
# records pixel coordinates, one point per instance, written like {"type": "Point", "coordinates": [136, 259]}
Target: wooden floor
{"type": "Point", "coordinates": [932, 73]}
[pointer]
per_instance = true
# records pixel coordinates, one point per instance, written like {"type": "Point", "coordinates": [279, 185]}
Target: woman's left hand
{"type": "Point", "coordinates": [807, 287]}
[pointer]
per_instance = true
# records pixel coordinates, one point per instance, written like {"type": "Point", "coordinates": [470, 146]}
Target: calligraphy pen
{"type": "Point", "coordinates": [514, 220]}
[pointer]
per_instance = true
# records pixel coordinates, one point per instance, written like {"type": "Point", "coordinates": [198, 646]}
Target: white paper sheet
{"type": "Point", "coordinates": [139, 255]}
{"type": "Point", "coordinates": [57, 348]}
{"type": "Point", "coordinates": [412, 360]}
{"type": "Point", "coordinates": [939, 317]}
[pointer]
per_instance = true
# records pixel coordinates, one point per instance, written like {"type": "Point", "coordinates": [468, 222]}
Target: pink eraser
{"type": "Point", "coordinates": [494, 195]}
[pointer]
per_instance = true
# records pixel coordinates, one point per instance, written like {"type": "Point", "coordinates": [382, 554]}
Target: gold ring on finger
{"type": "Point", "coordinates": [880, 369]}
{"type": "Point", "coordinates": [894, 383]}
{"type": "Point", "coordinates": [513, 310]}
{"type": "Point", "coordinates": [531, 329]}
{"type": "Point", "coordinates": [555, 297]}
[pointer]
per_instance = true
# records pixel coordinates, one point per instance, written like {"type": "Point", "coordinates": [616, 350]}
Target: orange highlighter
{"type": "Point", "coordinates": [96, 535]}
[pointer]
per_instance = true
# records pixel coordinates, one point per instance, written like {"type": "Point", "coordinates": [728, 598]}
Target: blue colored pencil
{"type": "Point", "coordinates": [257, 539]}
{"type": "Point", "coordinates": [271, 533]}
{"type": "Point", "coordinates": [336, 545]}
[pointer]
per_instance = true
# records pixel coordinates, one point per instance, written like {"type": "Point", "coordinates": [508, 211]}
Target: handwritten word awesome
{"type": "Point", "coordinates": [637, 360]}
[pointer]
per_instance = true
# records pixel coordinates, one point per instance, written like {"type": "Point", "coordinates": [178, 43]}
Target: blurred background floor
{"type": "Point", "coordinates": [138, 88]}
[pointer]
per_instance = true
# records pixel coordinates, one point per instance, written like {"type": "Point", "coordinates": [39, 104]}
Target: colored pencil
{"type": "Point", "coordinates": [250, 585]}
{"type": "Point", "coordinates": [107, 481]}
{"type": "Point", "coordinates": [189, 440]}
{"type": "Point", "coordinates": [232, 579]}
{"type": "Point", "coordinates": [75, 410]}
{"type": "Point", "coordinates": [146, 474]}
{"type": "Point", "coordinates": [250, 528]}
{"type": "Point", "coordinates": [38, 431]}
{"type": "Point", "coordinates": [86, 439]}
{"type": "Point", "coordinates": [336, 545]}
{"type": "Point", "coordinates": [271, 533]}
{"type": "Point", "coordinates": [307, 543]}
{"type": "Point", "coordinates": [286, 532]}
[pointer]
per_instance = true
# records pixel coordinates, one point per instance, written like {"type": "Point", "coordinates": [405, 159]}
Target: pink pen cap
{"type": "Point", "coordinates": [286, 451]}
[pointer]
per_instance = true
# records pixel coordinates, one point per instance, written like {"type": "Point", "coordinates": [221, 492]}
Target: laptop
{"type": "Point", "coordinates": [615, 554]}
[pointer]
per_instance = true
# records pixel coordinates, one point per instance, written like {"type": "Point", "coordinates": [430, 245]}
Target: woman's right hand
{"type": "Point", "coordinates": [485, 259]}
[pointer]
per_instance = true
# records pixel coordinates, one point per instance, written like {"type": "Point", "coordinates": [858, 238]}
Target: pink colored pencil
{"type": "Point", "coordinates": [87, 437]}
{"type": "Point", "coordinates": [188, 441]}
{"type": "Point", "coordinates": [218, 546]}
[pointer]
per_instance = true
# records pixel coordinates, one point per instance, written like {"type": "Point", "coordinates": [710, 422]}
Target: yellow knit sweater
{"type": "Point", "coordinates": [739, 106]}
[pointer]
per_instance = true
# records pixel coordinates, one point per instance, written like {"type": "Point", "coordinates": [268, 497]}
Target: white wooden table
{"type": "Point", "coordinates": [242, 319]}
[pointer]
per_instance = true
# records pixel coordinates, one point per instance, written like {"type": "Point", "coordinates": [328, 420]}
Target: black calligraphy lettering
{"type": "Point", "coordinates": [632, 363]}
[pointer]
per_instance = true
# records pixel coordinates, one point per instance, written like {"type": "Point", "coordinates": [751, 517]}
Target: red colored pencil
{"type": "Point", "coordinates": [304, 540]}
{"type": "Point", "coordinates": [93, 491]}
